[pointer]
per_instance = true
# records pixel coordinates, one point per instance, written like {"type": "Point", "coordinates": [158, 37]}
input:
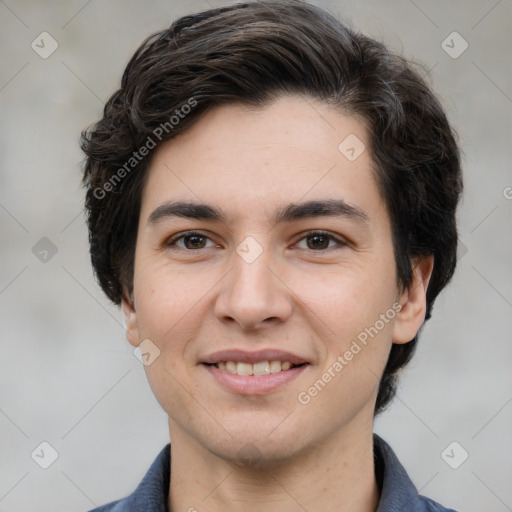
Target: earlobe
{"type": "Point", "coordinates": [130, 318]}
{"type": "Point", "coordinates": [413, 302]}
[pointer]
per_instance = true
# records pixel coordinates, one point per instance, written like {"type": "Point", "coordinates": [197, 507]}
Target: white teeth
{"type": "Point", "coordinates": [244, 368]}
{"type": "Point", "coordinates": [260, 368]}
{"type": "Point", "coordinates": [275, 366]}
{"type": "Point", "coordinates": [231, 367]}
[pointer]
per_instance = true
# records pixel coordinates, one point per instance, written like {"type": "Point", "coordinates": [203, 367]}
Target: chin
{"type": "Point", "coordinates": [258, 456]}
{"type": "Point", "coordinates": [254, 448]}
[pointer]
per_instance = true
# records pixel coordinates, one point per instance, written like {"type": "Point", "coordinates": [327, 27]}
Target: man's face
{"type": "Point", "coordinates": [251, 283]}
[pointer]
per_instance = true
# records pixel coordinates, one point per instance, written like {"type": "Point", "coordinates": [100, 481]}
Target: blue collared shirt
{"type": "Point", "coordinates": [397, 492]}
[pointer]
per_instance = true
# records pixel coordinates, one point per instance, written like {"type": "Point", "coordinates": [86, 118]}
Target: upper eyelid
{"type": "Point", "coordinates": [178, 236]}
{"type": "Point", "coordinates": [325, 233]}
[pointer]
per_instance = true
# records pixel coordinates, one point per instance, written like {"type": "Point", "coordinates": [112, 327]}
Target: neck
{"type": "Point", "coordinates": [335, 475]}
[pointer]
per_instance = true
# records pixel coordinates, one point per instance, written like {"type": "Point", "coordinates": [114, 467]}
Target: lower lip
{"type": "Point", "coordinates": [254, 384]}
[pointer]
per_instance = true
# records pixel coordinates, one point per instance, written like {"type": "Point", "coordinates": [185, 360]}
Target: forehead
{"type": "Point", "coordinates": [241, 158]}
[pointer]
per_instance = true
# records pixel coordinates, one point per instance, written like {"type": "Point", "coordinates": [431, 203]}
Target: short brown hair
{"type": "Point", "coordinates": [252, 52]}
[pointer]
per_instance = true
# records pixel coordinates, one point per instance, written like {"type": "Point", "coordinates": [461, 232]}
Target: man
{"type": "Point", "coordinates": [271, 199]}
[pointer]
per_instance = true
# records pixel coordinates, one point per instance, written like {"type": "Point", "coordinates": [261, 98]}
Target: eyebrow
{"type": "Point", "coordinates": [291, 212]}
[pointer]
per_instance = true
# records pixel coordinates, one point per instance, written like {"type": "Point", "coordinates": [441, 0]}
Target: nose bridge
{"type": "Point", "coordinates": [252, 273]}
{"type": "Point", "coordinates": [252, 293]}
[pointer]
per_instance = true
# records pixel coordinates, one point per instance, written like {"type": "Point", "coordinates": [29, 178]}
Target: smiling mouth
{"type": "Point", "coordinates": [260, 368]}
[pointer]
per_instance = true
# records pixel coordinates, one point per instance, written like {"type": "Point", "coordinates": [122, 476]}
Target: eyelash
{"type": "Point", "coordinates": [326, 234]}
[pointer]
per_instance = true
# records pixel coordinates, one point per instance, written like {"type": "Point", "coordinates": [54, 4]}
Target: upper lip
{"type": "Point", "coordinates": [244, 356]}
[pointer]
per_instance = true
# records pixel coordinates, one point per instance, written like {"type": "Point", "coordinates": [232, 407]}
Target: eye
{"type": "Point", "coordinates": [320, 240]}
{"type": "Point", "coordinates": [192, 240]}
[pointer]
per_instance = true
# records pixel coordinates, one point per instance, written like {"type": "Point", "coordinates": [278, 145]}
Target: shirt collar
{"type": "Point", "coordinates": [397, 492]}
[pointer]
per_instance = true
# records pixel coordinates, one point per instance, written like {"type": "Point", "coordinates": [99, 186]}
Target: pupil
{"type": "Point", "coordinates": [195, 238]}
{"type": "Point", "coordinates": [316, 244]}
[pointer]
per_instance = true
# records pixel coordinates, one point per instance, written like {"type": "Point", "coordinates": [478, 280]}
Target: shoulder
{"type": "Point", "coordinates": [432, 506]}
{"type": "Point", "coordinates": [397, 491]}
{"type": "Point", "coordinates": [114, 506]}
{"type": "Point", "coordinates": [151, 493]}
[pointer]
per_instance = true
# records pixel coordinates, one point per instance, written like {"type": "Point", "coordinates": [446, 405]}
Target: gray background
{"type": "Point", "coordinates": [67, 374]}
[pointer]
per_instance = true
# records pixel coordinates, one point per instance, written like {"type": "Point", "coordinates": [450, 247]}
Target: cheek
{"type": "Point", "coordinates": [345, 300]}
{"type": "Point", "coordinates": [355, 338]}
{"type": "Point", "coordinates": [165, 298]}
{"type": "Point", "coordinates": [168, 302]}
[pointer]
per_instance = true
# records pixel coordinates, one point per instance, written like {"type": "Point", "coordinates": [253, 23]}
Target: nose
{"type": "Point", "coordinates": [254, 295]}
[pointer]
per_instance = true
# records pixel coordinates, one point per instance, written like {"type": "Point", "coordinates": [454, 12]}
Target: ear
{"type": "Point", "coordinates": [414, 302]}
{"type": "Point", "coordinates": [130, 318]}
